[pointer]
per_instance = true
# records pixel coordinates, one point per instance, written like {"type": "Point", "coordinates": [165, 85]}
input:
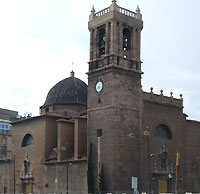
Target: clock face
{"type": "Point", "coordinates": [99, 86]}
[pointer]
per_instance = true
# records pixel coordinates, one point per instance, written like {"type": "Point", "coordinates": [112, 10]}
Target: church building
{"type": "Point", "coordinates": [110, 135]}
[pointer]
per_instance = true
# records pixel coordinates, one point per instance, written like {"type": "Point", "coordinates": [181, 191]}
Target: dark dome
{"type": "Point", "coordinates": [68, 91]}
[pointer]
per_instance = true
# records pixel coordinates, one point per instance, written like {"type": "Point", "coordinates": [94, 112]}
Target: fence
{"type": "Point", "coordinates": [117, 192]}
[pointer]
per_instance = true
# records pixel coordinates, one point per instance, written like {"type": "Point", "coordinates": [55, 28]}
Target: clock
{"type": "Point", "coordinates": [99, 86]}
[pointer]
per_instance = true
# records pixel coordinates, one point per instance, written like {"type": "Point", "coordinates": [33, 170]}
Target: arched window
{"type": "Point", "coordinates": [27, 140]}
{"type": "Point", "coordinates": [163, 131]}
{"type": "Point", "coordinates": [102, 41]}
{"type": "Point", "coordinates": [126, 39]}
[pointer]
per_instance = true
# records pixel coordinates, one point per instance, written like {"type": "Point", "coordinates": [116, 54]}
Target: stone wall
{"type": "Point", "coordinates": [185, 140]}
{"type": "Point", "coordinates": [56, 177]}
{"type": "Point", "coordinates": [6, 176]}
{"type": "Point", "coordinates": [192, 156]}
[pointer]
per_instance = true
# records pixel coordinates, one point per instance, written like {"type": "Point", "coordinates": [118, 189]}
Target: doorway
{"type": "Point", "coordinates": [162, 186]}
{"type": "Point", "coordinates": [27, 188]}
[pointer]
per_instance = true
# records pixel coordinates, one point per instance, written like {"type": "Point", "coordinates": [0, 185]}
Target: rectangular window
{"type": "Point", "coordinates": [47, 109]}
{"type": "Point", "coordinates": [99, 132]}
{"type": "Point", "coordinates": [3, 143]}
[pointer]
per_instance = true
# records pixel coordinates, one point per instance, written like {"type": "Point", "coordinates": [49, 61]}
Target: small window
{"type": "Point", "coordinates": [46, 185]}
{"type": "Point", "coordinates": [27, 140]}
{"type": "Point", "coordinates": [99, 132]}
{"type": "Point", "coordinates": [163, 131]}
{"type": "Point", "coordinates": [47, 109]}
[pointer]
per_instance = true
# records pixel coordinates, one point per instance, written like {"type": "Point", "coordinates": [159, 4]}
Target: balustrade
{"type": "Point", "coordinates": [126, 12]}
{"type": "Point", "coordinates": [120, 10]}
{"type": "Point", "coordinates": [102, 12]}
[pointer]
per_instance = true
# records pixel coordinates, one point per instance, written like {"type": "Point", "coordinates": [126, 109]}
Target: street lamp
{"type": "Point", "coordinates": [14, 181]}
{"type": "Point", "coordinates": [146, 134]}
{"type": "Point", "coordinates": [67, 176]}
{"type": "Point", "coordinates": [67, 169]}
{"type": "Point", "coordinates": [68, 164]}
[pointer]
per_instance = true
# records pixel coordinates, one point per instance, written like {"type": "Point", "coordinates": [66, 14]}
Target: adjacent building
{"type": "Point", "coordinates": [9, 115]}
{"type": "Point", "coordinates": [6, 117]}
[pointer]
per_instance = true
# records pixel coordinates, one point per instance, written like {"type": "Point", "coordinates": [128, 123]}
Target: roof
{"type": "Point", "coordinates": [68, 91]}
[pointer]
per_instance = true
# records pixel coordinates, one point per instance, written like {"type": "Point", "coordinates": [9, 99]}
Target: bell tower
{"type": "Point", "coordinates": [114, 96]}
{"type": "Point", "coordinates": [115, 37]}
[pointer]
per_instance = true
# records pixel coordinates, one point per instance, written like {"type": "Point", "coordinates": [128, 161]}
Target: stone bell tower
{"type": "Point", "coordinates": [114, 96]}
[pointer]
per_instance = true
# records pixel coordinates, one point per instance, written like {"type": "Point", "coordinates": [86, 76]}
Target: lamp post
{"type": "Point", "coordinates": [67, 176]}
{"type": "Point", "coordinates": [146, 134]}
{"type": "Point", "coordinates": [67, 169]}
{"type": "Point", "coordinates": [14, 177]}
{"type": "Point", "coordinates": [68, 164]}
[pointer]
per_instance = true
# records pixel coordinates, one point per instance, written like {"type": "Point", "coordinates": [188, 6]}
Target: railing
{"type": "Point", "coordinates": [26, 175]}
{"type": "Point", "coordinates": [126, 12]}
{"type": "Point", "coordinates": [78, 192]}
{"type": "Point", "coordinates": [102, 12]}
{"type": "Point", "coordinates": [120, 10]}
{"type": "Point", "coordinates": [159, 169]}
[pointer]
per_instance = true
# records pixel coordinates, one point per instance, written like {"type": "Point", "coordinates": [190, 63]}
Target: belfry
{"type": "Point", "coordinates": [114, 93]}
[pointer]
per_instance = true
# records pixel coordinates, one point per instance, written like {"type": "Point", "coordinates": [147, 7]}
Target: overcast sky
{"type": "Point", "coordinates": [39, 39]}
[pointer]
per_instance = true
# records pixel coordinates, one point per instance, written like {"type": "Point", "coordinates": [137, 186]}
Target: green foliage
{"type": "Point", "coordinates": [90, 172]}
{"type": "Point", "coordinates": [102, 185]}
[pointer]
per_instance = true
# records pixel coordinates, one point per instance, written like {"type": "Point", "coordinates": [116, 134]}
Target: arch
{"type": "Point", "coordinates": [126, 39]}
{"type": "Point", "coordinates": [163, 131]}
{"type": "Point", "coordinates": [102, 40]}
{"type": "Point", "coordinates": [27, 140]}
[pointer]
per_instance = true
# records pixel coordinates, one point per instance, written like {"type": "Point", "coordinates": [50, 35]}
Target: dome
{"type": "Point", "coordinates": [68, 91]}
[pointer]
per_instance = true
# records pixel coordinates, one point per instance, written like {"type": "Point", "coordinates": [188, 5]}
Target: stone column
{"type": "Point", "coordinates": [138, 48]}
{"type": "Point", "coordinates": [91, 44]}
{"type": "Point", "coordinates": [120, 37]}
{"type": "Point", "coordinates": [96, 44]}
{"type": "Point", "coordinates": [107, 39]}
{"type": "Point", "coordinates": [134, 43]}
{"type": "Point", "coordinates": [113, 42]}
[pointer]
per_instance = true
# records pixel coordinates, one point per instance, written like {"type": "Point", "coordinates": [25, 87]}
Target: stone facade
{"type": "Point", "coordinates": [164, 154]}
{"type": "Point", "coordinates": [47, 156]}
